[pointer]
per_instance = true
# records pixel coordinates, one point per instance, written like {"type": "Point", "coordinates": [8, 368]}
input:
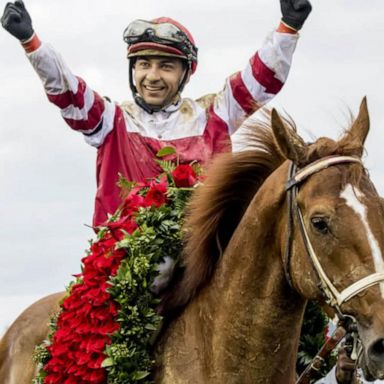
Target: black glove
{"type": "Point", "coordinates": [295, 12]}
{"type": "Point", "coordinates": [16, 20]}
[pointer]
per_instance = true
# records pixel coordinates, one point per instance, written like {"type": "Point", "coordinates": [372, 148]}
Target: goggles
{"type": "Point", "coordinates": [163, 33]}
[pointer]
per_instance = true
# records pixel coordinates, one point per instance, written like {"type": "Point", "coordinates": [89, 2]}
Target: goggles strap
{"type": "Point", "coordinates": [188, 68]}
{"type": "Point", "coordinates": [130, 75]}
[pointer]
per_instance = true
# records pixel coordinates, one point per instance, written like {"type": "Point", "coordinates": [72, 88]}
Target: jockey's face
{"type": "Point", "coordinates": [157, 79]}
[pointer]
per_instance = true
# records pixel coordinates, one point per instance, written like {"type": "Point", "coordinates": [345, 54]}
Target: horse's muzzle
{"type": "Point", "coordinates": [376, 358]}
{"type": "Point", "coordinates": [373, 361]}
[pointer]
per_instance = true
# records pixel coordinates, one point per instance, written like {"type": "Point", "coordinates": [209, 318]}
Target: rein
{"type": "Point", "coordinates": [334, 297]}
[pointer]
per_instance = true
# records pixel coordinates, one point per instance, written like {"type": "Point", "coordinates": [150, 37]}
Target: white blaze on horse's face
{"type": "Point", "coordinates": [351, 195]}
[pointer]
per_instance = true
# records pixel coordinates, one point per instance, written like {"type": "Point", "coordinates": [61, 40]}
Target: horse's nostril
{"type": "Point", "coordinates": [377, 349]}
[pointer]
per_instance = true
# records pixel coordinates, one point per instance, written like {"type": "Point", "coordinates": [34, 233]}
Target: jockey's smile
{"type": "Point", "coordinates": [158, 79]}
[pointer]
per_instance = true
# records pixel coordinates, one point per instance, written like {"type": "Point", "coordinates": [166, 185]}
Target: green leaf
{"type": "Point", "coordinates": [125, 185]}
{"type": "Point", "coordinates": [150, 327]}
{"type": "Point", "coordinates": [166, 151]}
{"type": "Point", "coordinates": [197, 168]}
{"type": "Point", "coordinates": [168, 167]}
{"type": "Point", "coordinates": [108, 362]}
{"type": "Point", "coordinates": [139, 375]}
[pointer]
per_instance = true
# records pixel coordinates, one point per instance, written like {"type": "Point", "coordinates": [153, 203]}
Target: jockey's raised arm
{"type": "Point", "coordinates": [162, 58]}
{"type": "Point", "coordinates": [267, 70]}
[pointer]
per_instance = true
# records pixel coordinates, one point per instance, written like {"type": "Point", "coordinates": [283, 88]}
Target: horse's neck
{"type": "Point", "coordinates": [244, 326]}
{"type": "Point", "coordinates": [257, 324]}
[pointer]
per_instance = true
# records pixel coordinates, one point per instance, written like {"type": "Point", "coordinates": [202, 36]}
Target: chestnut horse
{"type": "Point", "coordinates": [258, 247]}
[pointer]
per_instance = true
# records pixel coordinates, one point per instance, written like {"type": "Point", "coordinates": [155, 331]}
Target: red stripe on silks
{"type": "Point", "coordinates": [241, 94]}
{"type": "Point", "coordinates": [68, 98]}
{"type": "Point", "coordinates": [32, 44]}
{"type": "Point", "coordinates": [265, 76]}
{"type": "Point", "coordinates": [94, 116]}
{"type": "Point", "coordinates": [216, 134]}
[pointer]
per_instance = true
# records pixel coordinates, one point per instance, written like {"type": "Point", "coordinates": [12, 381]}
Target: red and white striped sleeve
{"type": "Point", "coordinates": [83, 109]}
{"type": "Point", "coordinates": [263, 77]}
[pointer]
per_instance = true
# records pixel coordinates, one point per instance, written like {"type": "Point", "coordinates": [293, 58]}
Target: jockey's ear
{"type": "Point", "coordinates": [353, 140]}
{"type": "Point", "coordinates": [291, 145]}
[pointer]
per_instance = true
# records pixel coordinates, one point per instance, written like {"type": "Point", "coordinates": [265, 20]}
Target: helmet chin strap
{"type": "Point", "coordinates": [139, 100]}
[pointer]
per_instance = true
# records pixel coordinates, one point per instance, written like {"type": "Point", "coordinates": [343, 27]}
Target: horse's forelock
{"type": "Point", "coordinates": [345, 146]}
{"type": "Point", "coordinates": [324, 147]}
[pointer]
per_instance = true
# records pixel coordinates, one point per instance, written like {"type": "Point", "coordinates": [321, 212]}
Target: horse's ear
{"type": "Point", "coordinates": [291, 145]}
{"type": "Point", "coordinates": [353, 140]}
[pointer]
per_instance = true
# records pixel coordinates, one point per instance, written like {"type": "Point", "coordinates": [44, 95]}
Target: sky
{"type": "Point", "coordinates": [47, 171]}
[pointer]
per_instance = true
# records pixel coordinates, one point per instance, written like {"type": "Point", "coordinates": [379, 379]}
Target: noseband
{"type": "Point", "coordinates": [333, 297]}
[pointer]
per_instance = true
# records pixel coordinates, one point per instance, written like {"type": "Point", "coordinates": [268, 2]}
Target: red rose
{"type": "Point", "coordinates": [119, 227]}
{"type": "Point", "coordinates": [132, 203]}
{"type": "Point", "coordinates": [184, 176]}
{"type": "Point", "coordinates": [156, 195]}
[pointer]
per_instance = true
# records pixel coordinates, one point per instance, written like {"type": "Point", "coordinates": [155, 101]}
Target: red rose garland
{"type": "Point", "coordinates": [87, 320]}
{"type": "Point", "coordinates": [88, 317]}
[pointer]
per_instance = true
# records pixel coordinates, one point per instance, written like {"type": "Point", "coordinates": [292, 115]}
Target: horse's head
{"type": "Point", "coordinates": [336, 240]}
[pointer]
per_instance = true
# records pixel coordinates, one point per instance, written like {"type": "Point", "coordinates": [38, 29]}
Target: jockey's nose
{"type": "Point", "coordinates": [153, 74]}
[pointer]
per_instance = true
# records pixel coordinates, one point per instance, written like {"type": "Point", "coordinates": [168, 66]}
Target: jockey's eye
{"type": "Point", "coordinates": [320, 224]}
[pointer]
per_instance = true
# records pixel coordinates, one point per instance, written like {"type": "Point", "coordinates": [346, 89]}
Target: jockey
{"type": "Point", "coordinates": [162, 58]}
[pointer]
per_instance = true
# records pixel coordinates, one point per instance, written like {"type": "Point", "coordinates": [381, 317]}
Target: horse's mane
{"type": "Point", "coordinates": [217, 207]}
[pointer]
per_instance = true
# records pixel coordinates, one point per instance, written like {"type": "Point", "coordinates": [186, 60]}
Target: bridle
{"type": "Point", "coordinates": [333, 296]}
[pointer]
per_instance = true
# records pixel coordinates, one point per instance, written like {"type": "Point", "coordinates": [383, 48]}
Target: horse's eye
{"type": "Point", "coordinates": [320, 224]}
